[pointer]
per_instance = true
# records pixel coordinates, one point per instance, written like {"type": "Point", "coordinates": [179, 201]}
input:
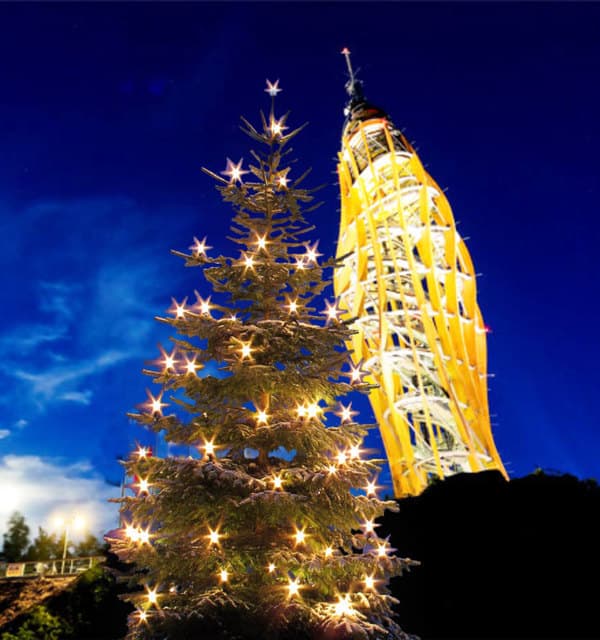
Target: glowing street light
{"type": "Point", "coordinates": [77, 523]}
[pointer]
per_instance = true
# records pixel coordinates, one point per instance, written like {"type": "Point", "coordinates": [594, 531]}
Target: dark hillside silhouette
{"type": "Point", "coordinates": [518, 559]}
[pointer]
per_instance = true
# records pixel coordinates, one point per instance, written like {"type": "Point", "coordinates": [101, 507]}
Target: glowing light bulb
{"type": "Point", "coordinates": [369, 526]}
{"type": "Point", "coordinates": [273, 88]}
{"type": "Point", "coordinates": [311, 254]}
{"type": "Point", "coordinates": [246, 350]}
{"type": "Point", "coordinates": [301, 409]}
{"type": "Point", "coordinates": [234, 171]}
{"type": "Point", "coordinates": [132, 533]}
{"type": "Point", "coordinates": [369, 582]}
{"type": "Point", "coordinates": [155, 404]}
{"type": "Point", "coordinates": [331, 311]}
{"type": "Point", "coordinates": [300, 536]}
{"type": "Point", "coordinates": [343, 607]}
{"type": "Point", "coordinates": [356, 374]}
{"type": "Point", "coordinates": [169, 360]}
{"type": "Point", "coordinates": [191, 366]}
{"type": "Point", "coordinates": [203, 305]}
{"type": "Point", "coordinates": [152, 596]}
{"type": "Point", "coordinates": [214, 536]}
{"type": "Point", "coordinates": [144, 536]}
{"type": "Point", "coordinates": [271, 567]}
{"type": "Point", "coordinates": [293, 588]}
{"type": "Point", "coordinates": [248, 262]}
{"type": "Point", "coordinates": [261, 241]}
{"type": "Point", "coordinates": [277, 482]}
{"type": "Point", "coordinates": [328, 552]}
{"type": "Point", "coordinates": [292, 306]}
{"type": "Point", "coordinates": [300, 264]}
{"type": "Point", "coordinates": [382, 550]}
{"type": "Point", "coordinates": [262, 417]}
{"type": "Point", "coordinates": [282, 181]}
{"type": "Point", "coordinates": [143, 485]}
{"type": "Point", "coordinates": [224, 575]}
{"type": "Point", "coordinates": [332, 469]}
{"type": "Point", "coordinates": [354, 451]}
{"type": "Point", "coordinates": [142, 616]}
{"type": "Point", "coordinates": [345, 413]}
{"type": "Point", "coordinates": [312, 410]}
{"type": "Point", "coordinates": [209, 448]}
{"type": "Point", "coordinates": [199, 247]}
{"type": "Point", "coordinates": [178, 309]}
{"type": "Point", "coordinates": [141, 452]}
{"type": "Point", "coordinates": [341, 457]}
{"type": "Point", "coordinates": [371, 488]}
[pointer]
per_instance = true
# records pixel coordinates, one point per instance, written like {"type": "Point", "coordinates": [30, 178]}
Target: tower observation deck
{"type": "Point", "coordinates": [407, 279]}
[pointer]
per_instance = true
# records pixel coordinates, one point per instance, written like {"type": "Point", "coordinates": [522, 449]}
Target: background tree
{"type": "Point", "coordinates": [259, 531]}
{"type": "Point", "coordinates": [89, 546]}
{"type": "Point", "coordinates": [16, 539]}
{"type": "Point", "coordinates": [45, 546]}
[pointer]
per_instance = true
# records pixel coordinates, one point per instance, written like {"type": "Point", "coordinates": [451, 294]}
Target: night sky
{"type": "Point", "coordinates": [107, 113]}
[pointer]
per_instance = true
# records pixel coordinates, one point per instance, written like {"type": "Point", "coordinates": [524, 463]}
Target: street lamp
{"type": "Point", "coordinates": [77, 523]}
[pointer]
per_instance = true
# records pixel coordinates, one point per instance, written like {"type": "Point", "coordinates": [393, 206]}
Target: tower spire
{"type": "Point", "coordinates": [353, 86]}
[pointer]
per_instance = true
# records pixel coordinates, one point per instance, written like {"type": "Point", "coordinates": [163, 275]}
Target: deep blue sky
{"type": "Point", "coordinates": [107, 112]}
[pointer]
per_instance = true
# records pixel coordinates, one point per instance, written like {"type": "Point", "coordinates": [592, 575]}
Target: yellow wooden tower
{"type": "Point", "coordinates": [407, 279]}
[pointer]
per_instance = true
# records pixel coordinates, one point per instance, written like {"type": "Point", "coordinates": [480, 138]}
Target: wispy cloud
{"type": "Point", "coordinates": [4, 433]}
{"type": "Point", "coordinates": [41, 488]}
{"type": "Point", "coordinates": [79, 397]}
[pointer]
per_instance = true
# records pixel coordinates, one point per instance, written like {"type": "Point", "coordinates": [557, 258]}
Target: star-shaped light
{"type": "Point", "coordinates": [343, 607]}
{"type": "Point", "coordinates": [247, 261]}
{"type": "Point", "coordinates": [328, 552]}
{"type": "Point", "coordinates": [371, 488]}
{"type": "Point", "coordinates": [178, 310]}
{"type": "Point", "coordinates": [332, 469]}
{"type": "Point", "coordinates": [224, 575]}
{"type": "Point", "coordinates": [133, 533]}
{"type": "Point", "coordinates": [277, 482]}
{"type": "Point", "coordinates": [168, 362]}
{"type": "Point", "coordinates": [300, 536]}
{"type": "Point", "coordinates": [246, 350]}
{"type": "Point", "coordinates": [331, 312]}
{"type": "Point", "coordinates": [142, 616]}
{"type": "Point", "coordinates": [301, 410]}
{"type": "Point", "coordinates": [141, 452]}
{"type": "Point", "coordinates": [273, 88]}
{"type": "Point", "coordinates": [346, 413]}
{"type": "Point", "coordinates": [282, 182]}
{"type": "Point", "coordinates": [313, 410]}
{"type": "Point", "coordinates": [203, 305]}
{"type": "Point", "coordinates": [271, 567]}
{"type": "Point", "coordinates": [199, 247]}
{"type": "Point", "coordinates": [356, 373]}
{"type": "Point", "coordinates": [234, 171]}
{"type": "Point", "coordinates": [293, 587]}
{"type": "Point", "coordinates": [292, 306]}
{"type": "Point", "coordinates": [382, 550]}
{"type": "Point", "coordinates": [277, 127]}
{"type": "Point", "coordinates": [311, 254]}
{"type": "Point", "coordinates": [342, 457]}
{"type": "Point", "coordinates": [368, 526]}
{"type": "Point", "coordinates": [152, 596]}
{"type": "Point", "coordinates": [354, 451]}
{"type": "Point", "coordinates": [143, 485]}
{"type": "Point", "coordinates": [300, 265]}
{"type": "Point", "coordinates": [154, 403]}
{"type": "Point", "coordinates": [214, 536]}
{"type": "Point", "coordinates": [144, 536]}
{"type": "Point", "coordinates": [191, 366]}
{"type": "Point", "coordinates": [209, 448]}
{"type": "Point", "coordinates": [369, 582]}
{"type": "Point", "coordinates": [261, 241]}
{"type": "Point", "coordinates": [262, 417]}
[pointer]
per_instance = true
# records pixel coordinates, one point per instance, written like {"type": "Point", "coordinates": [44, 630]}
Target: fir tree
{"type": "Point", "coordinates": [260, 532]}
{"type": "Point", "coordinates": [16, 539]}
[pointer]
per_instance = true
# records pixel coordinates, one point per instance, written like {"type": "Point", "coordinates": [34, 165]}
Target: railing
{"type": "Point", "coordinates": [48, 568]}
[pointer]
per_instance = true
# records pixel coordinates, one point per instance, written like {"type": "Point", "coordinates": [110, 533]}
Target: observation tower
{"type": "Point", "coordinates": [406, 277]}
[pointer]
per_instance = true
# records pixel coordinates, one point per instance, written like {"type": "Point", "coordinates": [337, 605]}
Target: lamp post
{"type": "Point", "coordinates": [76, 522]}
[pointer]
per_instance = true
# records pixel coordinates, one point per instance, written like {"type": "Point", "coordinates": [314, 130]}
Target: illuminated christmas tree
{"type": "Point", "coordinates": [269, 525]}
